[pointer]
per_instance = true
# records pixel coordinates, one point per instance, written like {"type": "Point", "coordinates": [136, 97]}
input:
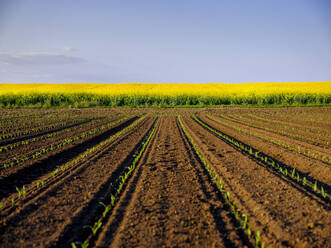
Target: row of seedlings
{"type": "Point", "coordinates": [248, 122]}
{"type": "Point", "coordinates": [298, 149]}
{"type": "Point", "coordinates": [40, 129]}
{"type": "Point", "coordinates": [10, 128]}
{"type": "Point", "coordinates": [60, 145]}
{"type": "Point", "coordinates": [63, 170]}
{"type": "Point", "coordinates": [255, 237]}
{"type": "Point", "coordinates": [80, 126]}
{"type": "Point", "coordinates": [118, 188]}
{"type": "Point", "coordinates": [312, 185]}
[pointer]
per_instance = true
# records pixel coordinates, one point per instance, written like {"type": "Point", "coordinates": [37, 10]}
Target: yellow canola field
{"type": "Point", "coordinates": [208, 89]}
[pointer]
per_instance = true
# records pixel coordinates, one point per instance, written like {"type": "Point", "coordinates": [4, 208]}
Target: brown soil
{"type": "Point", "coordinates": [170, 199]}
{"type": "Point", "coordinates": [293, 132]}
{"type": "Point", "coordinates": [171, 202]}
{"type": "Point", "coordinates": [45, 141]}
{"type": "Point", "coordinates": [74, 197]}
{"type": "Point", "coordinates": [30, 171]}
{"type": "Point", "coordinates": [311, 167]}
{"type": "Point", "coordinates": [274, 205]}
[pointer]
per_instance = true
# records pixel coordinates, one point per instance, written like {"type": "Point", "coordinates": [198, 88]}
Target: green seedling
{"type": "Point", "coordinates": [21, 192]}
{"type": "Point", "coordinates": [112, 200]}
{"type": "Point", "coordinates": [285, 172]}
{"type": "Point", "coordinates": [304, 181]}
{"type": "Point", "coordinates": [107, 208]}
{"type": "Point", "coordinates": [228, 196]}
{"type": "Point", "coordinates": [244, 221]}
{"type": "Point", "coordinates": [95, 227]}
{"type": "Point", "coordinates": [54, 173]}
{"type": "Point", "coordinates": [257, 239]}
{"type": "Point", "coordinates": [249, 231]}
{"type": "Point", "coordinates": [236, 215]}
{"type": "Point", "coordinates": [315, 186]}
{"type": "Point", "coordinates": [323, 192]}
{"type": "Point", "coordinates": [293, 173]}
{"type": "Point", "coordinates": [83, 245]}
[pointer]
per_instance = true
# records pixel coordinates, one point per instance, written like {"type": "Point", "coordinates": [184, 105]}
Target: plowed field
{"type": "Point", "coordinates": [226, 177]}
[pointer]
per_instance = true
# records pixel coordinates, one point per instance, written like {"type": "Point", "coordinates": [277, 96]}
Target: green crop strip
{"type": "Point", "coordinates": [65, 142]}
{"type": "Point", "coordinates": [71, 164]}
{"type": "Point", "coordinates": [240, 217]}
{"type": "Point", "coordinates": [120, 182]}
{"type": "Point", "coordinates": [295, 176]}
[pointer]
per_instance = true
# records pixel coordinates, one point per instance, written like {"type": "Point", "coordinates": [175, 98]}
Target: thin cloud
{"type": "Point", "coordinates": [69, 49]}
{"type": "Point", "coordinates": [38, 58]}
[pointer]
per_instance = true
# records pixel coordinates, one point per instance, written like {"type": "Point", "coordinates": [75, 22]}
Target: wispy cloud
{"type": "Point", "coordinates": [69, 49]}
{"type": "Point", "coordinates": [38, 58]}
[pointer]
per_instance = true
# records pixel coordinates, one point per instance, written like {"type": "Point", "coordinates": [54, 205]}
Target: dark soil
{"type": "Point", "coordinates": [170, 199]}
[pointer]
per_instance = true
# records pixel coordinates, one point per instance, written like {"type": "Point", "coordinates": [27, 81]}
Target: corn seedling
{"type": "Point", "coordinates": [82, 245]}
{"type": "Point", "coordinates": [107, 208]}
{"type": "Point", "coordinates": [257, 238]}
{"type": "Point", "coordinates": [244, 221]}
{"type": "Point", "coordinates": [95, 227]}
{"type": "Point", "coordinates": [323, 192]}
{"type": "Point", "coordinates": [21, 192]}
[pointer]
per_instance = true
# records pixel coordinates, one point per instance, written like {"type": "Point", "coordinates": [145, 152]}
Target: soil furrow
{"type": "Point", "coordinates": [173, 204]}
{"type": "Point", "coordinates": [34, 170]}
{"type": "Point", "coordinates": [286, 216]}
{"type": "Point", "coordinates": [65, 170]}
{"type": "Point", "coordinates": [45, 140]}
{"type": "Point", "coordinates": [70, 204]}
{"type": "Point", "coordinates": [43, 132]}
{"type": "Point", "coordinates": [274, 135]}
{"type": "Point", "coordinates": [295, 177]}
{"type": "Point", "coordinates": [309, 167]}
{"type": "Point", "coordinates": [295, 134]}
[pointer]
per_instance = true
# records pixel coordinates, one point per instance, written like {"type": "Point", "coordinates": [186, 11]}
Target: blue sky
{"type": "Point", "coordinates": [223, 41]}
